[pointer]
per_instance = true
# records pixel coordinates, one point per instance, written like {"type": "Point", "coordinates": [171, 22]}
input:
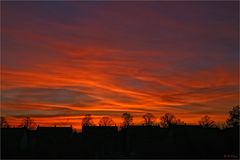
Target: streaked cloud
{"type": "Point", "coordinates": [66, 59]}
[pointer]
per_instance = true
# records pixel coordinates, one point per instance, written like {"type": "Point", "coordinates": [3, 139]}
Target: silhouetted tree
{"type": "Point", "coordinates": [222, 125]}
{"type": "Point", "coordinates": [28, 123]}
{"type": "Point", "coordinates": [4, 123]}
{"type": "Point", "coordinates": [87, 120]}
{"type": "Point", "coordinates": [179, 122]}
{"type": "Point", "coordinates": [206, 122]}
{"type": "Point", "coordinates": [127, 119]}
{"type": "Point", "coordinates": [148, 119]}
{"type": "Point", "coordinates": [233, 120]}
{"type": "Point", "coordinates": [169, 119]}
{"type": "Point", "coordinates": [106, 121]}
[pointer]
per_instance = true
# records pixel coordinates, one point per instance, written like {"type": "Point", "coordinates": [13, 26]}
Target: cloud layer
{"type": "Point", "coordinates": [65, 59]}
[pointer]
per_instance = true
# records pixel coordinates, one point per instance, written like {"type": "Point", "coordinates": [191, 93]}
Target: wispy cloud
{"type": "Point", "coordinates": [105, 59]}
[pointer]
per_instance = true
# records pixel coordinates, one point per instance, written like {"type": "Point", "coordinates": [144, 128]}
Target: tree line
{"type": "Point", "coordinates": [166, 121]}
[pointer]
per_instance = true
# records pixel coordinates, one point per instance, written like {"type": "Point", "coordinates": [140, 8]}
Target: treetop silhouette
{"type": "Point", "coordinates": [206, 122]}
{"type": "Point", "coordinates": [106, 121]}
{"type": "Point", "coordinates": [169, 119]}
{"type": "Point", "coordinates": [149, 119]}
{"type": "Point", "coordinates": [28, 123]}
{"type": "Point", "coordinates": [233, 120]}
{"type": "Point", "coordinates": [87, 120]}
{"type": "Point", "coordinates": [127, 119]}
{"type": "Point", "coordinates": [4, 123]}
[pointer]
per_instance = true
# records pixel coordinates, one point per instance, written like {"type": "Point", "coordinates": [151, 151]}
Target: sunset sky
{"type": "Point", "coordinates": [61, 60]}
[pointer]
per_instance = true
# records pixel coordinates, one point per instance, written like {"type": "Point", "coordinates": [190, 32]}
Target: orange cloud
{"type": "Point", "coordinates": [85, 60]}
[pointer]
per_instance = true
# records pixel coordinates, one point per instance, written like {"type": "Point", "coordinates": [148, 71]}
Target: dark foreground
{"type": "Point", "coordinates": [132, 142]}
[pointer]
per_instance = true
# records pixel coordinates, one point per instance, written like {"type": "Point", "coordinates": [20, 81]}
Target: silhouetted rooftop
{"type": "Point", "coordinates": [13, 131]}
{"type": "Point", "coordinates": [54, 130]}
{"type": "Point", "coordinates": [99, 129]}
